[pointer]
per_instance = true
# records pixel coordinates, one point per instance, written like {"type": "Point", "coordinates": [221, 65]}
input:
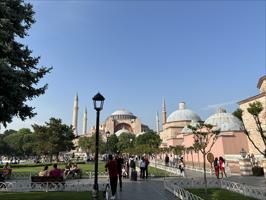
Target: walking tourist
{"type": "Point", "coordinates": [166, 160]}
{"type": "Point", "coordinates": [182, 167]}
{"type": "Point", "coordinates": [44, 172]}
{"type": "Point", "coordinates": [142, 168]}
{"type": "Point", "coordinates": [222, 166]}
{"type": "Point", "coordinates": [120, 163]}
{"type": "Point", "coordinates": [146, 166]}
{"type": "Point", "coordinates": [111, 166]}
{"type": "Point", "coordinates": [216, 167]}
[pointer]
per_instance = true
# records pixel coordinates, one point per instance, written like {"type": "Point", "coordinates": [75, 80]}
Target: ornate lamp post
{"type": "Point", "coordinates": [98, 101]}
{"type": "Point", "coordinates": [107, 144]}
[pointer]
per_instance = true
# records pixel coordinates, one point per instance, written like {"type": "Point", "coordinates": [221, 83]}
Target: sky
{"type": "Point", "coordinates": [206, 53]}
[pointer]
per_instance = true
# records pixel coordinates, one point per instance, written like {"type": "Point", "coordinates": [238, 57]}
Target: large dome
{"type": "Point", "coordinates": [122, 114]}
{"type": "Point", "coordinates": [183, 114]}
{"type": "Point", "coordinates": [225, 121]}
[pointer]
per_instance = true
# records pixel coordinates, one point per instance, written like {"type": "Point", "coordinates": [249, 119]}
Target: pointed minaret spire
{"type": "Point", "coordinates": [75, 115]}
{"type": "Point", "coordinates": [157, 123]}
{"type": "Point", "coordinates": [164, 112]}
{"type": "Point", "coordinates": [84, 130]}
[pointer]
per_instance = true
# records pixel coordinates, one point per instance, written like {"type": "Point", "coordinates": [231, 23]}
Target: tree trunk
{"type": "Point", "coordinates": [204, 172]}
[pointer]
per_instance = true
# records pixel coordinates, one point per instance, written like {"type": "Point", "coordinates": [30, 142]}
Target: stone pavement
{"type": "Point", "coordinates": [152, 189]}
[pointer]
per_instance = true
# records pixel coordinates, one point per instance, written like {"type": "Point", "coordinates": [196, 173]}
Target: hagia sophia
{"type": "Point", "coordinates": [175, 129]}
{"type": "Point", "coordinates": [118, 122]}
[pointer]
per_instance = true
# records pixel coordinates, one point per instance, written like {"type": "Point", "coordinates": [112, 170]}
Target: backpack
{"type": "Point", "coordinates": [132, 164]}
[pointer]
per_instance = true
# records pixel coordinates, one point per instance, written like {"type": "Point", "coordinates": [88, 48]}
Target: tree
{"type": "Point", "coordinates": [125, 141]}
{"type": "Point", "coordinates": [88, 144]}
{"type": "Point", "coordinates": [19, 73]}
{"type": "Point", "coordinates": [254, 110]}
{"type": "Point", "coordinates": [112, 143]}
{"type": "Point", "coordinates": [54, 137]}
{"type": "Point", "coordinates": [178, 150]}
{"type": "Point", "coordinates": [205, 136]}
{"type": "Point", "coordinates": [150, 139]}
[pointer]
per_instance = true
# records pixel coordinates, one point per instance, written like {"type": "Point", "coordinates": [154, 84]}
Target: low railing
{"type": "Point", "coordinates": [180, 192]}
{"type": "Point", "coordinates": [177, 187]}
{"type": "Point", "coordinates": [49, 186]}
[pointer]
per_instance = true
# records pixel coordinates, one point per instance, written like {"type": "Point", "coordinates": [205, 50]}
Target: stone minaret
{"type": "Point", "coordinates": [157, 123]}
{"type": "Point", "coordinates": [84, 130]}
{"type": "Point", "coordinates": [75, 115]}
{"type": "Point", "coordinates": [164, 112]}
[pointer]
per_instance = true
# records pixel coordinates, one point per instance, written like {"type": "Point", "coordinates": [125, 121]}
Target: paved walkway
{"type": "Point", "coordinates": [148, 189]}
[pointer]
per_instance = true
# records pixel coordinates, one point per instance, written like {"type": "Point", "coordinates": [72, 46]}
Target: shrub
{"type": "Point", "coordinates": [257, 171]}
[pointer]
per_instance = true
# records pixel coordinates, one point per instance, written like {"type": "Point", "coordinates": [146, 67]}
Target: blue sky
{"type": "Point", "coordinates": [137, 52]}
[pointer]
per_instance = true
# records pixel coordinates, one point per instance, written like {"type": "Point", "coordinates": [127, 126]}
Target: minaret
{"type": "Point", "coordinates": [75, 115]}
{"type": "Point", "coordinates": [164, 112]}
{"type": "Point", "coordinates": [84, 130]}
{"type": "Point", "coordinates": [157, 123]}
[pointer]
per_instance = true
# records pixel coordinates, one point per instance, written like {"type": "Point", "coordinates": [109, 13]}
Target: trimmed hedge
{"type": "Point", "coordinates": [257, 171]}
{"type": "Point", "coordinates": [38, 164]}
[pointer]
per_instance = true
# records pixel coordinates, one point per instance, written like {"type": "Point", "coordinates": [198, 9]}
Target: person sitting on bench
{"type": "Point", "coordinates": [55, 172]}
{"type": "Point", "coordinates": [45, 171]}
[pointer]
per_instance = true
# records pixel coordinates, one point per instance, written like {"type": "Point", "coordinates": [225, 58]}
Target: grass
{"type": "Point", "coordinates": [84, 167]}
{"type": "Point", "coordinates": [218, 194]}
{"type": "Point", "coordinates": [47, 196]}
{"type": "Point", "coordinates": [158, 172]}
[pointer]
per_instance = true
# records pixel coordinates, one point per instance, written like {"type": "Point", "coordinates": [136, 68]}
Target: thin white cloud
{"type": "Point", "coordinates": [218, 105]}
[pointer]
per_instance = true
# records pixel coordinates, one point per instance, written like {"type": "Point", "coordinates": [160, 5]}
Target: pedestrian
{"type": "Point", "coordinates": [111, 166]}
{"type": "Point", "coordinates": [142, 168]}
{"type": "Point", "coordinates": [120, 163]}
{"type": "Point", "coordinates": [222, 166]}
{"type": "Point", "coordinates": [147, 162]}
{"type": "Point", "coordinates": [182, 167]}
{"type": "Point", "coordinates": [166, 160]}
{"type": "Point", "coordinates": [216, 167]}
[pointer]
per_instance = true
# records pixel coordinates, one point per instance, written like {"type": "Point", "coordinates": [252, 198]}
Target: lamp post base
{"type": "Point", "coordinates": [95, 194]}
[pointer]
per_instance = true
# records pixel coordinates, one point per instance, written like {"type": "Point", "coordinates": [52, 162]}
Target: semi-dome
{"type": "Point", "coordinates": [183, 114]}
{"type": "Point", "coordinates": [119, 132]}
{"type": "Point", "coordinates": [225, 121]}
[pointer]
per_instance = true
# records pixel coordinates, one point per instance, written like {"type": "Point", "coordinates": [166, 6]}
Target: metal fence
{"type": "Point", "coordinates": [178, 188]}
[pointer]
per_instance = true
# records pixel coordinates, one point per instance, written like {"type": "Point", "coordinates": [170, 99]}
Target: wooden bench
{"type": "Point", "coordinates": [49, 182]}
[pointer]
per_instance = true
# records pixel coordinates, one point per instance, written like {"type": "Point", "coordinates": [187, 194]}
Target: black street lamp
{"type": "Point", "coordinates": [107, 144]}
{"type": "Point", "coordinates": [98, 101]}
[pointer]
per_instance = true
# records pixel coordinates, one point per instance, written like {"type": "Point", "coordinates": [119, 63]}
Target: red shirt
{"type": "Point", "coordinates": [112, 168]}
{"type": "Point", "coordinates": [55, 172]}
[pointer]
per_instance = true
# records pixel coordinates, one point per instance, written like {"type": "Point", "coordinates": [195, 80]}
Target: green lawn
{"type": "Point", "coordinates": [47, 196]}
{"type": "Point", "coordinates": [84, 167]}
{"type": "Point", "coordinates": [219, 194]}
{"type": "Point", "coordinates": [158, 172]}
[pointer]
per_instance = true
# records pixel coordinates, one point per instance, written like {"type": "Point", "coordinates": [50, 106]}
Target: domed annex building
{"type": "Point", "coordinates": [176, 132]}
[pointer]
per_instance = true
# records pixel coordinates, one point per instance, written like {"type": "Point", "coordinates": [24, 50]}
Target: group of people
{"type": "Point", "coordinates": [176, 162]}
{"type": "Point", "coordinates": [55, 172]}
{"type": "Point", "coordinates": [219, 167]}
{"type": "Point", "coordinates": [119, 167]}
{"type": "Point", "coordinates": [71, 169]}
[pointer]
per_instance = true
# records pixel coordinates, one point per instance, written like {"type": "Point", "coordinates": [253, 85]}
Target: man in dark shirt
{"type": "Point", "coordinates": [120, 162]}
{"type": "Point", "coordinates": [111, 165]}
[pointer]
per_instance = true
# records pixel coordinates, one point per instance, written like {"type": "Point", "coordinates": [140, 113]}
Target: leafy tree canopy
{"type": "Point", "coordinates": [19, 74]}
